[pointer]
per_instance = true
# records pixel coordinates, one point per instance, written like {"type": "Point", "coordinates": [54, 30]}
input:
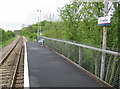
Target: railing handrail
{"type": "Point", "coordinates": [84, 46]}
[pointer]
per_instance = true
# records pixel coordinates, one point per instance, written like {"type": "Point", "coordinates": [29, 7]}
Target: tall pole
{"type": "Point", "coordinates": [40, 19]}
{"type": "Point", "coordinates": [119, 39]}
{"type": "Point", "coordinates": [104, 42]}
{"type": "Point", "coordinates": [38, 29]}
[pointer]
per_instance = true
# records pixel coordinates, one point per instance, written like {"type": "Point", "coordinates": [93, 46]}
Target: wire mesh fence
{"type": "Point", "coordinates": [89, 58]}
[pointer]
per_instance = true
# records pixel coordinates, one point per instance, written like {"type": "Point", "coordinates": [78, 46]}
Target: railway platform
{"type": "Point", "coordinates": [47, 69]}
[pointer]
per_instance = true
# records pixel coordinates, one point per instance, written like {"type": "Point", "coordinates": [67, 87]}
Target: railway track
{"type": "Point", "coordinates": [11, 67]}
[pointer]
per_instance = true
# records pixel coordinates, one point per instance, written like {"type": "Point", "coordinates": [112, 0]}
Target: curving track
{"type": "Point", "coordinates": [11, 67]}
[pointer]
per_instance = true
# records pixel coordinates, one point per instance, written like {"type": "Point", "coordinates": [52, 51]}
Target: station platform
{"type": "Point", "coordinates": [47, 69]}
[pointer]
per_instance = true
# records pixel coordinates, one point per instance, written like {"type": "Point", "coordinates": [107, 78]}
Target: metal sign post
{"type": "Point", "coordinates": [38, 29]}
{"type": "Point", "coordinates": [39, 23]}
{"type": "Point", "coordinates": [104, 44]}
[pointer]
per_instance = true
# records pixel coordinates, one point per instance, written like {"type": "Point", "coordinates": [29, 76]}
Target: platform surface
{"type": "Point", "coordinates": [47, 69]}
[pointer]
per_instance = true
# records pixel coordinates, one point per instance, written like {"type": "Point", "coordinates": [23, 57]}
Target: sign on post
{"type": "Point", "coordinates": [104, 20]}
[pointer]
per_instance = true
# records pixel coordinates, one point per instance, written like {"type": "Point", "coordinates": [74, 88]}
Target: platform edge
{"type": "Point", "coordinates": [26, 72]}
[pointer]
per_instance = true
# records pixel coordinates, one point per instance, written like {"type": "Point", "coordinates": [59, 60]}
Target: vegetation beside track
{"type": "Point", "coordinates": [6, 37]}
{"type": "Point", "coordinates": [8, 41]}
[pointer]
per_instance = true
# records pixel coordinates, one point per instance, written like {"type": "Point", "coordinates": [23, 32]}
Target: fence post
{"type": "Point", "coordinates": [55, 45]}
{"type": "Point", "coordinates": [102, 66]}
{"type": "Point", "coordinates": [44, 42]}
{"type": "Point", "coordinates": [49, 43]}
{"type": "Point", "coordinates": [80, 56]}
{"type": "Point", "coordinates": [69, 49]}
{"type": "Point", "coordinates": [63, 48]}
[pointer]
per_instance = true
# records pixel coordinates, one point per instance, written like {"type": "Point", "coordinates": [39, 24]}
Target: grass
{"type": "Point", "coordinates": [28, 38]}
{"type": "Point", "coordinates": [7, 42]}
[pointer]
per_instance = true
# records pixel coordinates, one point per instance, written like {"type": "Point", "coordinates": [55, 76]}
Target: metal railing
{"type": "Point", "coordinates": [89, 58]}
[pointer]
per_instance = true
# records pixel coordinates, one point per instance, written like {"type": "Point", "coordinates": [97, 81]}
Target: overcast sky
{"type": "Point", "coordinates": [14, 13]}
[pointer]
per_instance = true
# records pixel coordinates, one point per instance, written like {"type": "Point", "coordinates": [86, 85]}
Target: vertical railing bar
{"type": "Point", "coordinates": [63, 48]}
{"type": "Point", "coordinates": [55, 45]}
{"type": "Point", "coordinates": [80, 56]}
{"type": "Point", "coordinates": [69, 49]}
{"type": "Point", "coordinates": [49, 42]}
{"type": "Point", "coordinates": [45, 42]}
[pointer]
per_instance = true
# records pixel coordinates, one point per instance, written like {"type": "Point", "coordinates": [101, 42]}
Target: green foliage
{"type": "Point", "coordinates": [79, 23]}
{"type": "Point", "coordinates": [6, 37]}
{"type": "Point", "coordinates": [7, 41]}
{"type": "Point", "coordinates": [30, 32]}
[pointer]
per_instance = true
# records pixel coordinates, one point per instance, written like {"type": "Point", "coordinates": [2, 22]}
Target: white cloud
{"type": "Point", "coordinates": [14, 13]}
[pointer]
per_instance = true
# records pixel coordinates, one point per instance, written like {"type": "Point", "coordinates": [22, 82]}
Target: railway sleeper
{"type": "Point", "coordinates": [6, 82]}
{"type": "Point", "coordinates": [19, 82]}
{"type": "Point", "coordinates": [19, 85]}
{"type": "Point", "coordinates": [20, 72]}
{"type": "Point", "coordinates": [7, 71]}
{"type": "Point", "coordinates": [20, 78]}
{"type": "Point", "coordinates": [7, 74]}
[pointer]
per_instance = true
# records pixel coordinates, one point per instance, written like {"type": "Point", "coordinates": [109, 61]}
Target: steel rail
{"type": "Point", "coordinates": [8, 53]}
{"type": "Point", "coordinates": [16, 68]}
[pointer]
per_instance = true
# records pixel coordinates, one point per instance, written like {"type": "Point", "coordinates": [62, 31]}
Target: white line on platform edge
{"type": "Point", "coordinates": [26, 72]}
